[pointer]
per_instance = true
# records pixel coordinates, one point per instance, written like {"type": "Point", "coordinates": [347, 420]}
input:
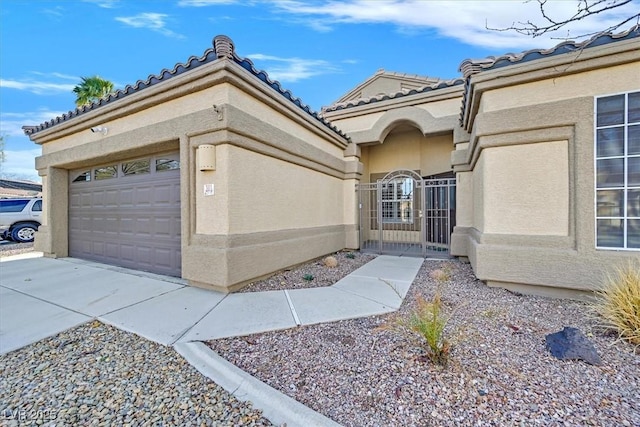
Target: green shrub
{"type": "Point", "coordinates": [428, 321]}
{"type": "Point", "coordinates": [618, 302]}
{"type": "Point", "coordinates": [308, 277]}
{"type": "Point", "coordinates": [350, 255]}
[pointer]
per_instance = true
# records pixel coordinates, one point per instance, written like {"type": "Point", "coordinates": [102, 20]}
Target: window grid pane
{"type": "Point", "coordinates": [617, 180]}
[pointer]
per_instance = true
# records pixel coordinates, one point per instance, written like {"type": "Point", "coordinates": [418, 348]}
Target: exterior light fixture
{"type": "Point", "coordinates": [100, 129]}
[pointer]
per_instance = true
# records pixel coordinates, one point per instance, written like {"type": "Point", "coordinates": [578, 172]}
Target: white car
{"type": "Point", "coordinates": [20, 218]}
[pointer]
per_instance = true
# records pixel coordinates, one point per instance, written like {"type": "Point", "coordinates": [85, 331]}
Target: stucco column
{"type": "Point", "coordinates": [52, 237]}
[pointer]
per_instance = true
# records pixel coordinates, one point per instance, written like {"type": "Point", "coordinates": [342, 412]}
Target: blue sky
{"type": "Point", "coordinates": [317, 49]}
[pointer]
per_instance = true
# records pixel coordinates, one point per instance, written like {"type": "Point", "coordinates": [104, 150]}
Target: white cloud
{"type": "Point", "coordinates": [106, 4]}
{"type": "Point", "coordinates": [20, 164]}
{"type": "Point", "coordinates": [152, 21]}
{"type": "Point", "coordinates": [292, 69]}
{"type": "Point", "coordinates": [466, 21]}
{"type": "Point", "coordinates": [11, 123]}
{"type": "Point", "coordinates": [39, 87]}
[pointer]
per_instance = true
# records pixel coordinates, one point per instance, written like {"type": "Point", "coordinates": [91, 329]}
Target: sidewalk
{"type": "Point", "coordinates": [40, 297]}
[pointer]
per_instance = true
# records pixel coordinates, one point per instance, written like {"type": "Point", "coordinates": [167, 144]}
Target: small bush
{"type": "Point", "coordinates": [330, 262]}
{"type": "Point", "coordinates": [350, 255]}
{"type": "Point", "coordinates": [440, 275]}
{"type": "Point", "coordinates": [308, 277]}
{"type": "Point", "coordinates": [618, 302]}
{"type": "Point", "coordinates": [428, 322]}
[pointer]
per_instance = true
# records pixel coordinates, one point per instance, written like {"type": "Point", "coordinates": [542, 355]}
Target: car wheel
{"type": "Point", "coordinates": [23, 233]}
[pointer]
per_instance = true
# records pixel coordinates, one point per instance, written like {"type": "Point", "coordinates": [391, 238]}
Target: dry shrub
{"type": "Point", "coordinates": [330, 262]}
{"type": "Point", "coordinates": [440, 275]}
{"type": "Point", "coordinates": [428, 321]}
{"type": "Point", "coordinates": [618, 302]}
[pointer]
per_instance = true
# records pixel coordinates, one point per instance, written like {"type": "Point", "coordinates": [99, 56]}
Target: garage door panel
{"type": "Point", "coordinates": [131, 221]}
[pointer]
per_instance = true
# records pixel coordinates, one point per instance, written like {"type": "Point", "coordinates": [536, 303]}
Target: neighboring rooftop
{"type": "Point", "coordinates": [223, 47]}
{"type": "Point", "coordinates": [12, 188]}
{"type": "Point", "coordinates": [436, 84]}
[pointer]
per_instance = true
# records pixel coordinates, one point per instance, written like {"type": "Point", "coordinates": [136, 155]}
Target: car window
{"type": "Point", "coordinates": [37, 206]}
{"type": "Point", "coordinates": [12, 205]}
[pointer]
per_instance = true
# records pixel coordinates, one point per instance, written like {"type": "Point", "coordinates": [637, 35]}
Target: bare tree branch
{"type": "Point", "coordinates": [585, 9]}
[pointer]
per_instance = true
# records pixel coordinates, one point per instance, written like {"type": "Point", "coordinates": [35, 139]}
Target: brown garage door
{"type": "Point", "coordinates": [128, 214]}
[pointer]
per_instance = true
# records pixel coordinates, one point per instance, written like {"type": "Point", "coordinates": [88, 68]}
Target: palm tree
{"type": "Point", "coordinates": [91, 89]}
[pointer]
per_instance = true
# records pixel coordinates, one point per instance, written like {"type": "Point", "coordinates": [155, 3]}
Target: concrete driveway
{"type": "Point", "coordinates": [40, 297]}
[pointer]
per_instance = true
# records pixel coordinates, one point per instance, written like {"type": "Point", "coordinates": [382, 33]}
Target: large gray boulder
{"type": "Point", "coordinates": [571, 344]}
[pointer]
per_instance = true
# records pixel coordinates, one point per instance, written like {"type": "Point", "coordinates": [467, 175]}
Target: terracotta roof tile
{"type": "Point", "coordinates": [473, 66]}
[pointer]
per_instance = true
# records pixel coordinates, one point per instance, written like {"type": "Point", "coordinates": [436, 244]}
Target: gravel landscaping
{"type": "Point", "coordinates": [8, 248]}
{"type": "Point", "coordinates": [500, 372]}
{"type": "Point", "coordinates": [97, 375]}
{"type": "Point", "coordinates": [319, 274]}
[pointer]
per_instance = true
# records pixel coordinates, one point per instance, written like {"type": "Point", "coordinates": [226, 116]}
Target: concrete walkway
{"type": "Point", "coordinates": [40, 297]}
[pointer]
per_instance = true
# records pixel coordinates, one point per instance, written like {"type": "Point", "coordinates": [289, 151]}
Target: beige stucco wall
{"type": "Point", "coordinates": [525, 189]}
{"type": "Point", "coordinates": [530, 158]}
{"type": "Point", "coordinates": [282, 179]}
{"type": "Point", "coordinates": [409, 150]}
{"type": "Point", "coordinates": [277, 195]}
{"type": "Point", "coordinates": [591, 83]}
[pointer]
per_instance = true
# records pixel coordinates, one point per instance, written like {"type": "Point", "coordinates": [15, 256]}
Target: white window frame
{"type": "Point", "coordinates": [626, 187]}
{"type": "Point", "coordinates": [398, 199]}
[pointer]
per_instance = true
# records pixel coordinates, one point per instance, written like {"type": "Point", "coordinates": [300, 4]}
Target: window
{"type": "Point", "coordinates": [13, 205]}
{"type": "Point", "coordinates": [136, 167]}
{"type": "Point", "coordinates": [163, 164]}
{"type": "Point", "coordinates": [617, 139]}
{"type": "Point", "coordinates": [37, 206]}
{"type": "Point", "coordinates": [397, 201]}
{"type": "Point", "coordinates": [84, 176]}
{"type": "Point", "coordinates": [105, 172]}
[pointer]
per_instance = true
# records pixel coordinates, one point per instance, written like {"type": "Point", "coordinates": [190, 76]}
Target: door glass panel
{"type": "Point", "coordinates": [105, 172]}
{"type": "Point", "coordinates": [136, 167]}
{"type": "Point", "coordinates": [167, 164]}
{"type": "Point", "coordinates": [633, 203]}
{"type": "Point", "coordinates": [84, 176]}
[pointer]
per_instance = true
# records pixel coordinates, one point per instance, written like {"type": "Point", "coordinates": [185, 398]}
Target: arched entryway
{"type": "Point", "coordinates": [405, 214]}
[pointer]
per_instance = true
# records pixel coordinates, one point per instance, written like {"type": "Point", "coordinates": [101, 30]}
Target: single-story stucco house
{"type": "Point", "coordinates": [528, 166]}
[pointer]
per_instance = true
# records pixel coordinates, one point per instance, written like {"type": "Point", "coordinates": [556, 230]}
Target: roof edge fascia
{"type": "Point", "coordinates": [579, 61]}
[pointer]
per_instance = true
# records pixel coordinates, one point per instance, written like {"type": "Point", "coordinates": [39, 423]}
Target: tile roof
{"type": "Point", "coordinates": [473, 66]}
{"type": "Point", "coordinates": [469, 67]}
{"type": "Point", "coordinates": [222, 48]}
{"type": "Point", "coordinates": [405, 92]}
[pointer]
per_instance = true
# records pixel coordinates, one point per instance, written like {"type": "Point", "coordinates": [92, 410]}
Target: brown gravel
{"type": "Point", "coordinates": [95, 374]}
{"type": "Point", "coordinates": [12, 248]}
{"type": "Point", "coordinates": [322, 275]}
{"type": "Point", "coordinates": [500, 372]}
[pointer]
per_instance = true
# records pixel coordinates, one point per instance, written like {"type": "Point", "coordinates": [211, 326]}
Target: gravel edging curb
{"type": "Point", "coordinates": [276, 406]}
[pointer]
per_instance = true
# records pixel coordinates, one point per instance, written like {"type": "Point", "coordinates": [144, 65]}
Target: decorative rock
{"type": "Point", "coordinates": [571, 344]}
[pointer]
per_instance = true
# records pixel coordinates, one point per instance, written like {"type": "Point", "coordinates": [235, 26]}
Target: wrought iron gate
{"type": "Point", "coordinates": [404, 214]}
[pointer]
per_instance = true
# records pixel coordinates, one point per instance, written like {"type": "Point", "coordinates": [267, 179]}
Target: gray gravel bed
{"type": "Point", "coordinates": [500, 372]}
{"type": "Point", "coordinates": [95, 374]}
{"type": "Point", "coordinates": [322, 275]}
{"type": "Point", "coordinates": [8, 248]}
